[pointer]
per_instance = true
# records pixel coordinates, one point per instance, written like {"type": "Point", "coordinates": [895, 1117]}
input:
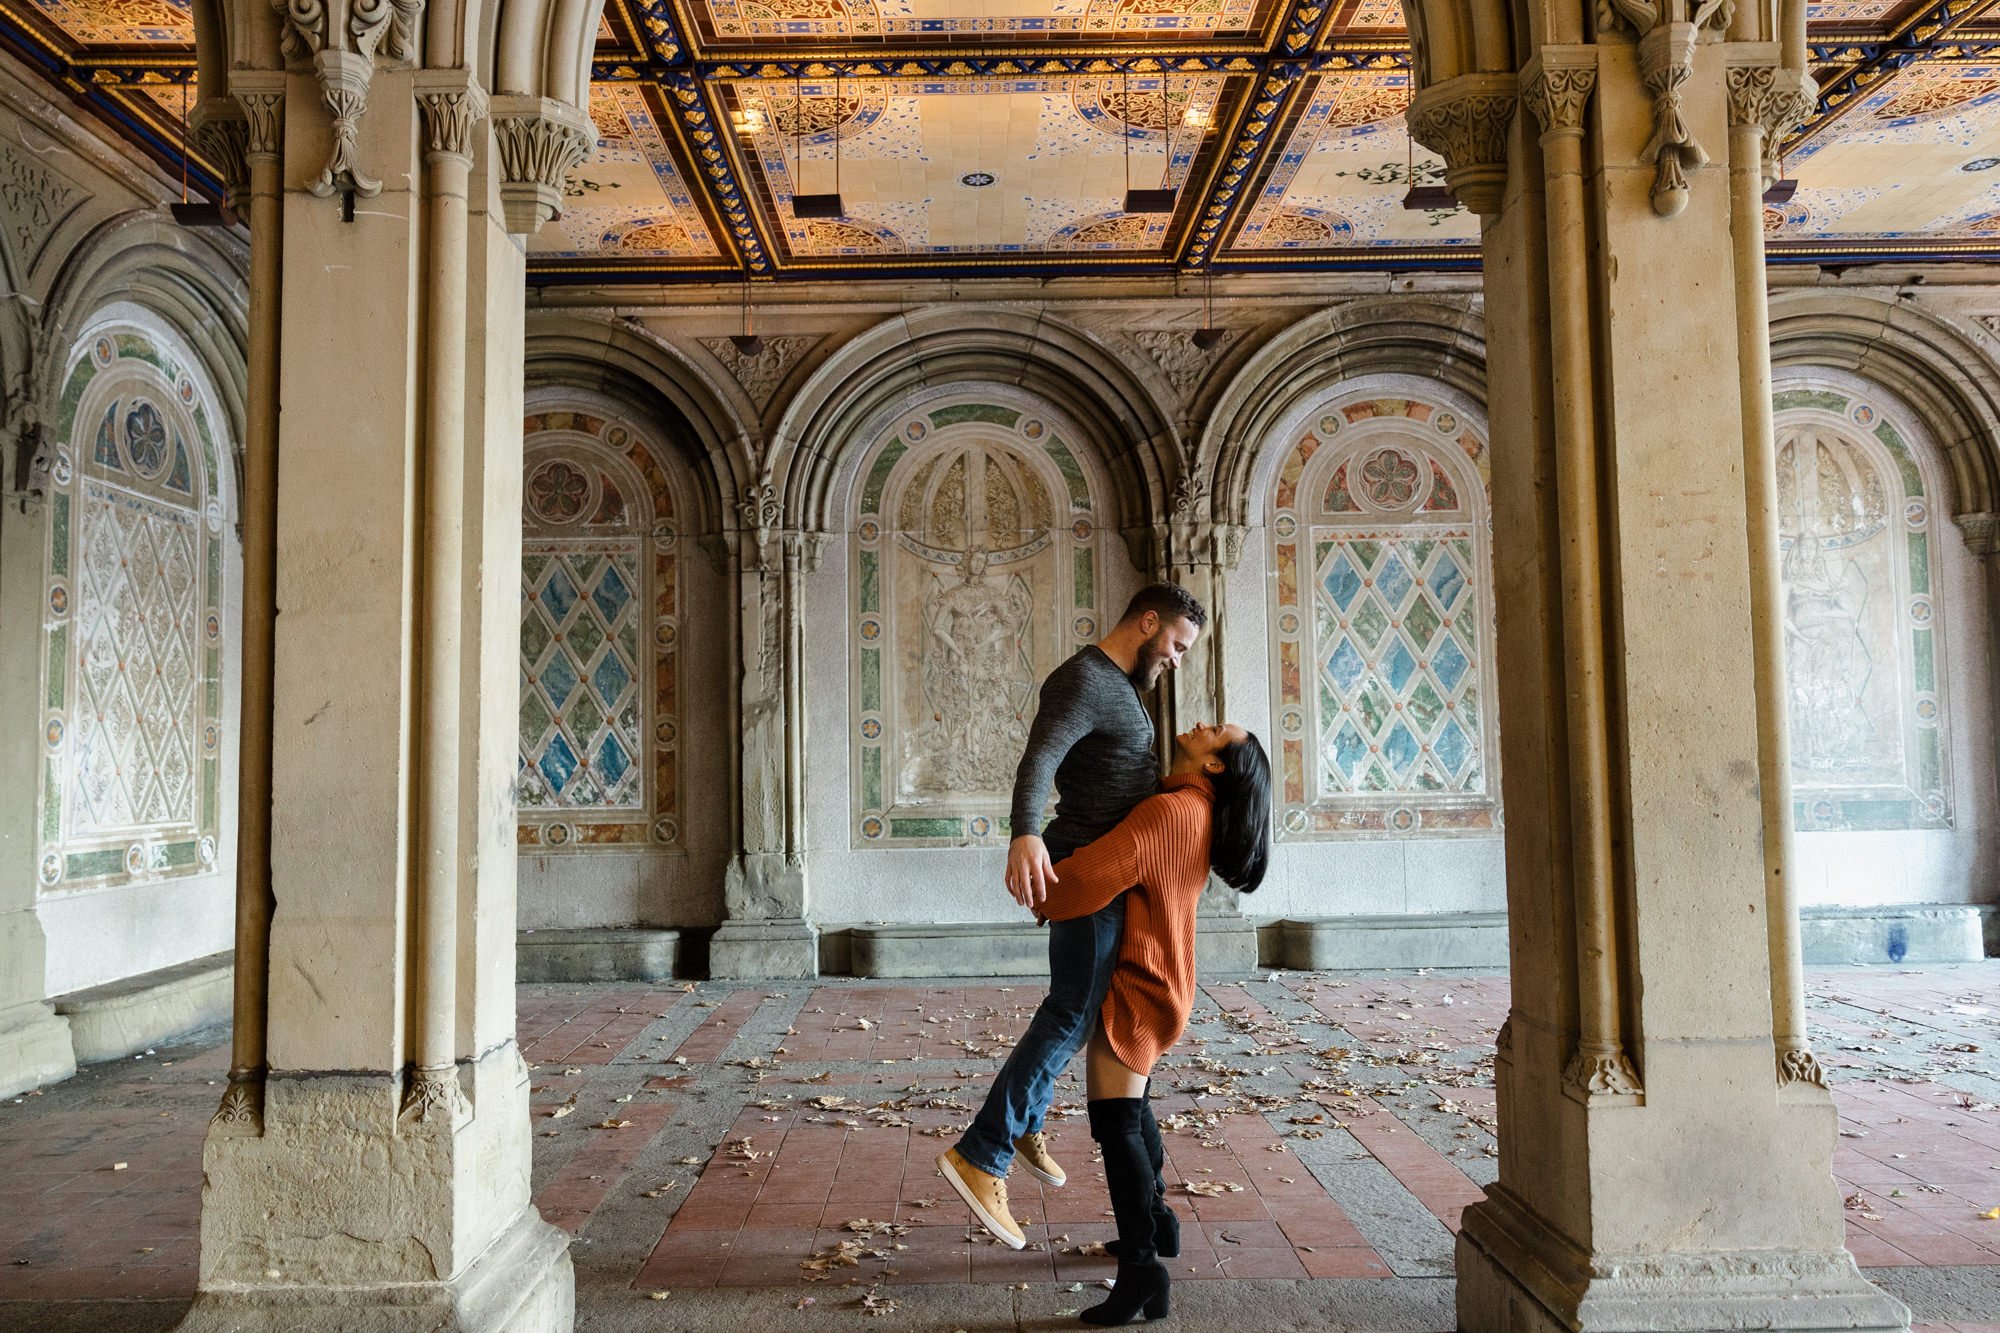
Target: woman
{"type": "Point", "coordinates": [1213, 812]}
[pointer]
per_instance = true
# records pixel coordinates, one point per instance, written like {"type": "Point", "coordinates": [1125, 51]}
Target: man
{"type": "Point", "coordinates": [1094, 739]}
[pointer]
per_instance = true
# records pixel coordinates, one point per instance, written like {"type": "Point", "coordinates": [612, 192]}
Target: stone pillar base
{"type": "Point", "coordinates": [1515, 1275]}
{"type": "Point", "coordinates": [780, 950]}
{"type": "Point", "coordinates": [523, 1283]}
{"type": "Point", "coordinates": [35, 1048]}
{"type": "Point", "coordinates": [1225, 945]}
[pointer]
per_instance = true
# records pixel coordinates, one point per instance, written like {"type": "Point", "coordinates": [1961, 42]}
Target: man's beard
{"type": "Point", "coordinates": [1151, 662]}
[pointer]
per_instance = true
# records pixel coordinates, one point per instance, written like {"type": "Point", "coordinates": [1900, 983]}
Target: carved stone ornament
{"type": "Point", "coordinates": [1796, 1064]}
{"type": "Point", "coordinates": [432, 1096]}
{"type": "Point", "coordinates": [242, 1111]}
{"type": "Point", "coordinates": [1182, 363]}
{"type": "Point", "coordinates": [1190, 499]}
{"type": "Point", "coordinates": [1666, 63]}
{"type": "Point", "coordinates": [1601, 1070]}
{"type": "Point", "coordinates": [760, 375]}
{"type": "Point", "coordinates": [33, 203]}
{"type": "Point", "coordinates": [1465, 121]}
{"type": "Point", "coordinates": [1642, 16]}
{"type": "Point", "coordinates": [1556, 97]}
{"type": "Point", "coordinates": [759, 509]}
{"type": "Point", "coordinates": [450, 117]}
{"type": "Point", "coordinates": [222, 133]}
{"type": "Point", "coordinates": [1775, 99]}
{"type": "Point", "coordinates": [1982, 533]}
{"type": "Point", "coordinates": [541, 141]}
{"type": "Point", "coordinates": [341, 37]}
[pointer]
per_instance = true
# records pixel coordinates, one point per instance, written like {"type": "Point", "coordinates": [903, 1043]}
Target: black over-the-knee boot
{"type": "Point", "coordinates": [1142, 1279]}
{"type": "Point", "coordinates": [1166, 1226]}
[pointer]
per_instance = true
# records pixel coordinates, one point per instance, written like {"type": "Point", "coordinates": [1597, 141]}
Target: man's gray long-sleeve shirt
{"type": "Point", "coordinates": [1094, 739]}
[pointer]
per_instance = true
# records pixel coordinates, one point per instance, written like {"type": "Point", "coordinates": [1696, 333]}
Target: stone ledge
{"type": "Point", "coordinates": [971, 949]}
{"type": "Point", "coordinates": [1337, 943]}
{"type": "Point", "coordinates": [635, 953]}
{"type": "Point", "coordinates": [122, 1017]}
{"type": "Point", "coordinates": [1895, 933]}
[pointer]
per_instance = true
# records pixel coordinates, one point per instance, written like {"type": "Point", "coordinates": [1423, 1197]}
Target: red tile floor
{"type": "Point", "coordinates": [738, 1136]}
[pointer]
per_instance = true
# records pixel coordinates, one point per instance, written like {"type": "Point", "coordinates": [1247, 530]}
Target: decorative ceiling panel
{"type": "Point", "coordinates": [1338, 179]}
{"type": "Point", "coordinates": [995, 167]}
{"type": "Point", "coordinates": [1917, 158]}
{"type": "Point", "coordinates": [857, 25]}
{"type": "Point", "coordinates": [1366, 18]}
{"type": "Point", "coordinates": [630, 199]}
{"type": "Point", "coordinates": [120, 23]}
{"type": "Point", "coordinates": [978, 136]}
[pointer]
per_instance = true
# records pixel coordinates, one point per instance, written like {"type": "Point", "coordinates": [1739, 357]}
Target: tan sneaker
{"type": "Point", "coordinates": [985, 1195]}
{"type": "Point", "coordinates": [1032, 1151]}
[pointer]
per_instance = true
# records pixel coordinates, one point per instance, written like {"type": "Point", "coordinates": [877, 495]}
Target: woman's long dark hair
{"type": "Point", "coordinates": [1240, 841]}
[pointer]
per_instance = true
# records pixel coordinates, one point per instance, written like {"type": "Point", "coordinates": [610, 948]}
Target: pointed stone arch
{"type": "Point", "coordinates": [656, 381]}
{"type": "Point", "coordinates": [1944, 373]}
{"type": "Point", "coordinates": [1440, 341]}
{"type": "Point", "coordinates": [829, 423]}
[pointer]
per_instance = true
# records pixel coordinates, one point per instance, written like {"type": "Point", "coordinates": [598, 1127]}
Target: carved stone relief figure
{"type": "Point", "coordinates": [975, 574]}
{"type": "Point", "coordinates": [1861, 619]}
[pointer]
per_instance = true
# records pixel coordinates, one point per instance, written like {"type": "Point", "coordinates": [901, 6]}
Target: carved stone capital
{"type": "Point", "coordinates": [222, 133]}
{"type": "Point", "coordinates": [264, 123]}
{"type": "Point", "coordinates": [1465, 121]}
{"type": "Point", "coordinates": [1556, 96]}
{"type": "Point", "coordinates": [1982, 533]}
{"type": "Point", "coordinates": [432, 1096]}
{"type": "Point", "coordinates": [451, 116]}
{"type": "Point", "coordinates": [241, 1114]}
{"type": "Point", "coordinates": [1600, 1070]}
{"type": "Point", "coordinates": [541, 141]}
{"type": "Point", "coordinates": [1640, 17]}
{"type": "Point", "coordinates": [1776, 100]}
{"type": "Point", "coordinates": [1797, 1064]}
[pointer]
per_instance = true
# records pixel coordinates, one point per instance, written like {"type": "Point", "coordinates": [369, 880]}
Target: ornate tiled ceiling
{"type": "Point", "coordinates": [994, 136]}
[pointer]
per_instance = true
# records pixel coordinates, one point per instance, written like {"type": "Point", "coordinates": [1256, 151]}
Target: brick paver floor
{"type": "Point", "coordinates": [782, 1135]}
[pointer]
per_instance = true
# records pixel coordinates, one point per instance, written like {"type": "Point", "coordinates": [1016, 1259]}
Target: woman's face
{"type": "Point", "coordinates": [1203, 743]}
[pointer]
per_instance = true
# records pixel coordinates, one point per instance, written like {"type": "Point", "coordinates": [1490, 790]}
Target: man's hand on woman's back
{"type": "Point", "coordinates": [1029, 873]}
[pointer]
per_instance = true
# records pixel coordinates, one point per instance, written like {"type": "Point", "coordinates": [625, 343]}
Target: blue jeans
{"type": "Point", "coordinates": [1082, 954]}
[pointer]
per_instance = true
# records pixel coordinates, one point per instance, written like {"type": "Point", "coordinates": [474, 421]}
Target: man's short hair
{"type": "Point", "coordinates": [1168, 601]}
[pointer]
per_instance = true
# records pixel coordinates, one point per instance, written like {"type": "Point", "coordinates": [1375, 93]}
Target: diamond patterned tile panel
{"type": "Point", "coordinates": [579, 702]}
{"type": "Point", "coordinates": [1398, 678]}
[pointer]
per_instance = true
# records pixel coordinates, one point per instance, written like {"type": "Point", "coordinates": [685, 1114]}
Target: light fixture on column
{"type": "Point", "coordinates": [1421, 198]}
{"type": "Point", "coordinates": [1144, 201]}
{"type": "Point", "coordinates": [808, 206]}
{"type": "Point", "coordinates": [203, 214]}
{"type": "Point", "coordinates": [747, 343]}
{"type": "Point", "coordinates": [1781, 190]}
{"type": "Point", "coordinates": [1208, 337]}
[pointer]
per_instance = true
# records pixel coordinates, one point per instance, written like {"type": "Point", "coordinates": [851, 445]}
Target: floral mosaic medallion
{"type": "Point", "coordinates": [599, 755]}
{"type": "Point", "coordinates": [984, 579]}
{"type": "Point", "coordinates": [1864, 666]}
{"type": "Point", "coordinates": [1382, 617]}
{"type": "Point", "coordinates": [132, 673]}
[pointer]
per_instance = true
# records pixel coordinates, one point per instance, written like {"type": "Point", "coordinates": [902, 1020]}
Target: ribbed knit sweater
{"type": "Point", "coordinates": [1160, 853]}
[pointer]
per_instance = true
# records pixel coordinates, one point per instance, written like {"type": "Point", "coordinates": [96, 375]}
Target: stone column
{"type": "Point", "coordinates": [1659, 1166]}
{"type": "Point", "coordinates": [34, 1041]}
{"type": "Point", "coordinates": [383, 1181]}
{"type": "Point", "coordinates": [1982, 538]}
{"type": "Point", "coordinates": [767, 933]}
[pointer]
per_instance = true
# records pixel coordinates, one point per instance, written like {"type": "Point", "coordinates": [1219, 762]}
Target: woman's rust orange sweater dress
{"type": "Point", "coordinates": [1160, 852]}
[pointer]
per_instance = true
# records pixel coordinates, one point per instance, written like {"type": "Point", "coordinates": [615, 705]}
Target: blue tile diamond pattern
{"type": "Point", "coordinates": [1399, 705]}
{"type": "Point", "coordinates": [579, 696]}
